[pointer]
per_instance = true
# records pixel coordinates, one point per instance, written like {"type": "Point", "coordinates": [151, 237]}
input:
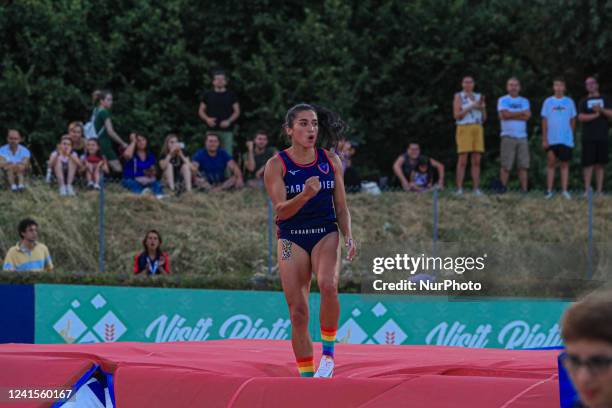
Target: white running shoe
{"type": "Point", "coordinates": [459, 192]}
{"type": "Point", "coordinates": [326, 368]}
{"type": "Point", "coordinates": [566, 195]}
{"type": "Point", "coordinates": [63, 191]}
{"type": "Point", "coordinates": [548, 195]}
{"type": "Point", "coordinates": [478, 192]}
{"type": "Point", "coordinates": [70, 191]}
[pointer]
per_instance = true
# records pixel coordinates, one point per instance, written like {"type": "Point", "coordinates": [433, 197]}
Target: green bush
{"type": "Point", "coordinates": [389, 67]}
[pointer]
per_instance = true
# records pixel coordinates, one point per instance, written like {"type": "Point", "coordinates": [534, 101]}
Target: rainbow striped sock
{"type": "Point", "coordinates": [306, 366]}
{"type": "Point", "coordinates": [328, 337]}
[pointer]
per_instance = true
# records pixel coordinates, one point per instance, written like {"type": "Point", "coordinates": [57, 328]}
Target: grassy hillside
{"type": "Point", "coordinates": [221, 240]}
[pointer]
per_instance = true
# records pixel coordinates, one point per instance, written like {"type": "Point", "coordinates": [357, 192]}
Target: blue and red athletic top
{"type": "Point", "coordinates": [319, 210]}
{"type": "Point", "coordinates": [155, 266]}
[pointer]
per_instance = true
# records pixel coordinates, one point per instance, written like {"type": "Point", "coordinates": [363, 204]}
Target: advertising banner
{"type": "Point", "coordinates": [17, 317]}
{"type": "Point", "coordinates": [88, 314]}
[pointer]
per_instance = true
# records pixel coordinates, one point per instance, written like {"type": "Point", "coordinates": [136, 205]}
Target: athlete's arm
{"type": "Point", "coordinates": [342, 211]}
{"type": "Point", "coordinates": [275, 186]}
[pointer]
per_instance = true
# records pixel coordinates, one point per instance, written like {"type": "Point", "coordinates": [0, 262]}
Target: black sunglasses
{"type": "Point", "coordinates": [596, 365]}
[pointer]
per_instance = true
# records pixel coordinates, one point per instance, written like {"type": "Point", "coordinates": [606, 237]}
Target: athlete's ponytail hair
{"type": "Point", "coordinates": [331, 126]}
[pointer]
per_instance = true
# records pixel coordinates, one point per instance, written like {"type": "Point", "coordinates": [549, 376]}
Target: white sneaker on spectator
{"type": "Point", "coordinates": [566, 195]}
{"type": "Point", "coordinates": [477, 192]}
{"type": "Point", "coordinates": [160, 196]}
{"type": "Point", "coordinates": [14, 188]}
{"type": "Point", "coordinates": [326, 368]}
{"type": "Point", "coordinates": [48, 176]}
{"type": "Point", "coordinates": [90, 184]}
{"type": "Point", "coordinates": [459, 192]}
{"type": "Point", "coordinates": [548, 195]}
{"type": "Point", "coordinates": [70, 191]}
{"type": "Point", "coordinates": [96, 186]}
{"type": "Point", "coordinates": [20, 187]}
{"type": "Point", "coordinates": [63, 191]}
{"type": "Point", "coordinates": [145, 190]}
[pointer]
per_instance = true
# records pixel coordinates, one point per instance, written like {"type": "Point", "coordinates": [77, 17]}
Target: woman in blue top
{"type": "Point", "coordinates": [306, 186]}
{"type": "Point", "coordinates": [139, 171]}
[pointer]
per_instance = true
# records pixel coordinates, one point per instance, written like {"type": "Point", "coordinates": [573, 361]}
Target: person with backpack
{"type": "Point", "coordinates": [100, 127]}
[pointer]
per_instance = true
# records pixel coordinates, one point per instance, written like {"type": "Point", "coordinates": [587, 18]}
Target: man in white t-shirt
{"type": "Point", "coordinates": [514, 112]}
{"type": "Point", "coordinates": [14, 160]}
{"type": "Point", "coordinates": [558, 124]}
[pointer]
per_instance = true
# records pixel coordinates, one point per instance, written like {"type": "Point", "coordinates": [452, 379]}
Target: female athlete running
{"type": "Point", "coordinates": [306, 186]}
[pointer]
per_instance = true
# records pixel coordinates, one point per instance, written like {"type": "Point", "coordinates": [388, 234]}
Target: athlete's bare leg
{"type": "Point", "coordinates": [295, 273]}
{"type": "Point", "coordinates": [326, 265]}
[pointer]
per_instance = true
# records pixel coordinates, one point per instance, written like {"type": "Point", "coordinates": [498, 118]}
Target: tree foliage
{"type": "Point", "coordinates": [390, 67]}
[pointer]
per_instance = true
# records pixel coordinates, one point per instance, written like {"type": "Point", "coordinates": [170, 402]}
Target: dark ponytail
{"type": "Point", "coordinates": [331, 126]}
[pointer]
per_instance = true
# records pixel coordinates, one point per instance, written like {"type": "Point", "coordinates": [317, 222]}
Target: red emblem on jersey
{"type": "Point", "coordinates": [324, 167]}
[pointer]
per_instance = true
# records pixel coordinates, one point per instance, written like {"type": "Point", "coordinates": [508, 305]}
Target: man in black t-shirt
{"type": "Point", "coordinates": [220, 109]}
{"type": "Point", "coordinates": [594, 112]}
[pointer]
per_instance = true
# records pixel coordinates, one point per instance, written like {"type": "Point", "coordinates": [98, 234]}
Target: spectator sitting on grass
{"type": "Point", "coordinates": [66, 165]}
{"type": "Point", "coordinates": [93, 164]}
{"type": "Point", "coordinates": [15, 160]}
{"type": "Point", "coordinates": [421, 177]}
{"type": "Point", "coordinates": [139, 173]}
{"type": "Point", "coordinates": [75, 131]}
{"type": "Point", "coordinates": [211, 163]}
{"type": "Point", "coordinates": [343, 149]}
{"type": "Point", "coordinates": [408, 161]}
{"type": "Point", "coordinates": [175, 165]}
{"type": "Point", "coordinates": [587, 334]}
{"type": "Point", "coordinates": [152, 260]}
{"type": "Point", "coordinates": [258, 154]}
{"type": "Point", "coordinates": [352, 181]}
{"type": "Point", "coordinates": [28, 255]}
